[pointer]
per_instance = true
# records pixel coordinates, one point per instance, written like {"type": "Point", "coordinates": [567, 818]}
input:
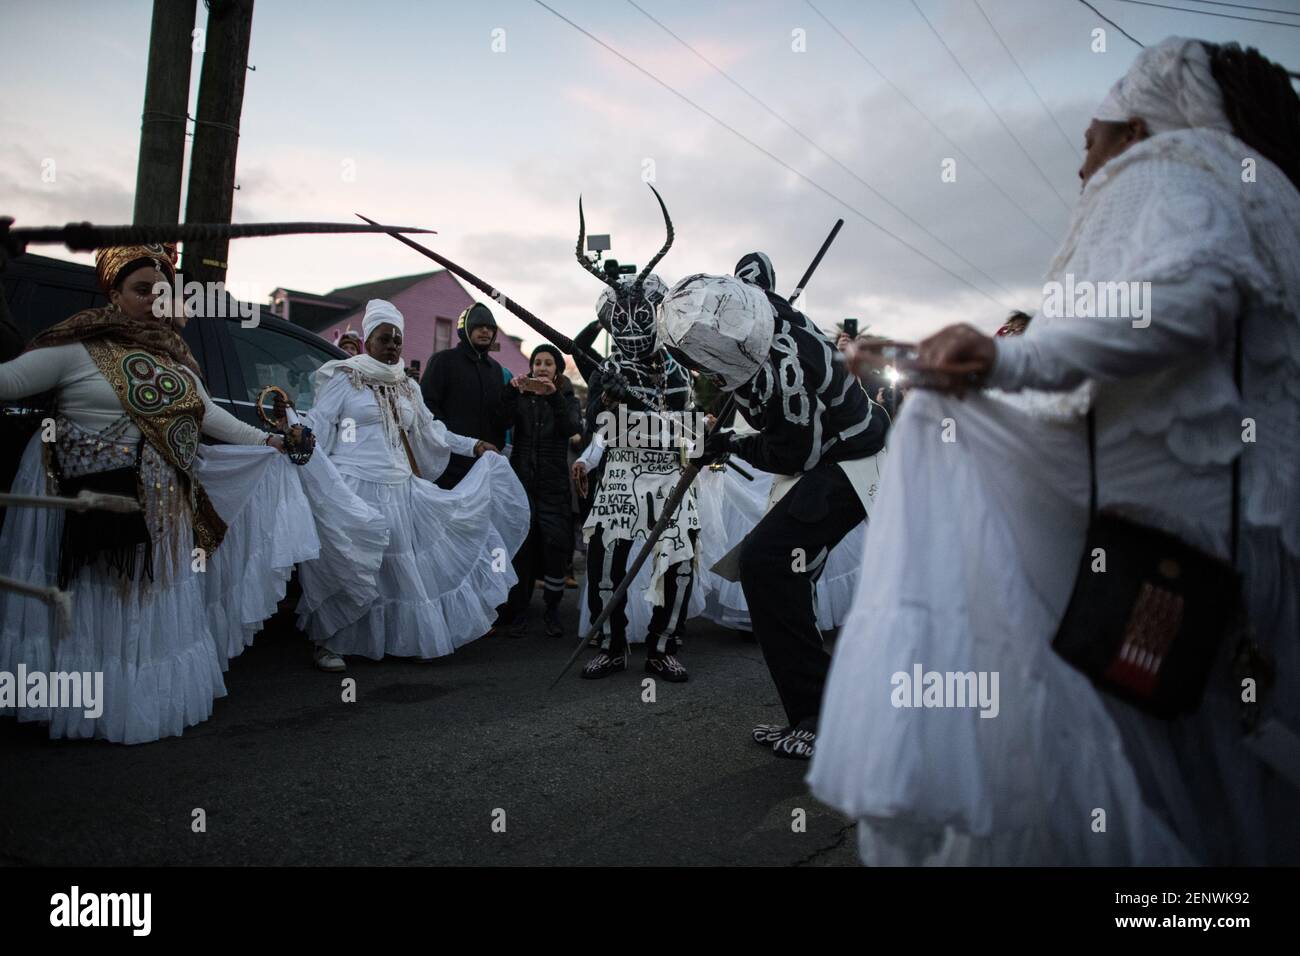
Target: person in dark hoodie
{"type": "Point", "coordinates": [544, 413]}
{"type": "Point", "coordinates": [462, 387]}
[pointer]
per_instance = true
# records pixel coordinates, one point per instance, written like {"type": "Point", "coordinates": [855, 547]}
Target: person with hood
{"type": "Point", "coordinates": [544, 414]}
{"type": "Point", "coordinates": [462, 387]}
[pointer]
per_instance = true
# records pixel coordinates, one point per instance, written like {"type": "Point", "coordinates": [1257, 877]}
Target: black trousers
{"type": "Point", "coordinates": [780, 562]}
{"type": "Point", "coordinates": [546, 554]}
{"type": "Point", "coordinates": [606, 569]}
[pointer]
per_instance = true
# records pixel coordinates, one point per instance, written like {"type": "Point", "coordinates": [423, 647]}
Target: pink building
{"type": "Point", "coordinates": [431, 302]}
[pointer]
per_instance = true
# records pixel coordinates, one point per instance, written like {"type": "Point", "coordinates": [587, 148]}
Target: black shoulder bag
{"type": "Point", "coordinates": [1147, 629]}
{"type": "Point", "coordinates": [116, 538]}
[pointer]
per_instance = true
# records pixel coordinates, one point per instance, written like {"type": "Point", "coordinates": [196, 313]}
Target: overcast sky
{"type": "Point", "coordinates": [492, 147]}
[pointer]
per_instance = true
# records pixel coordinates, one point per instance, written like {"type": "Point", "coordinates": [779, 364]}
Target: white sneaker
{"type": "Point", "coordinates": [327, 660]}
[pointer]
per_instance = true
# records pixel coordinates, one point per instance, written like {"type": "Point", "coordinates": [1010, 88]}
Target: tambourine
{"type": "Point", "coordinates": [298, 440]}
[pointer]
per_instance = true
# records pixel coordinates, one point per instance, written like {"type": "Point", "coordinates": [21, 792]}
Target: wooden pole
{"type": "Point", "coordinates": [216, 133]}
{"type": "Point", "coordinates": [163, 123]}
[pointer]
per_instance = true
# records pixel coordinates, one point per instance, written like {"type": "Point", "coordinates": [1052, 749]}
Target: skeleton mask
{"type": "Point", "coordinates": [630, 317]}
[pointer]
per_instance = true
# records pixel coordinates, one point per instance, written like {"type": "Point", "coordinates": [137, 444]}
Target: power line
{"type": "Point", "coordinates": [1242, 6]}
{"type": "Point", "coordinates": [929, 122]}
{"type": "Point", "coordinates": [770, 155]}
{"type": "Point", "coordinates": [1050, 185]}
{"type": "Point", "coordinates": [817, 147]}
{"type": "Point", "coordinates": [1113, 23]}
{"type": "Point", "coordinates": [1050, 115]}
{"type": "Point", "coordinates": [1210, 13]}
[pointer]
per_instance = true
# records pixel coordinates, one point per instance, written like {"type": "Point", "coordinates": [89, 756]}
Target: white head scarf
{"type": "Point", "coordinates": [379, 311]}
{"type": "Point", "coordinates": [723, 323]}
{"type": "Point", "coordinates": [375, 372]}
{"type": "Point", "coordinates": [1170, 86]}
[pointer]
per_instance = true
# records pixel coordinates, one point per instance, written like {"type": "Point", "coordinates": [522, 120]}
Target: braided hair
{"type": "Point", "coordinates": [1261, 103]}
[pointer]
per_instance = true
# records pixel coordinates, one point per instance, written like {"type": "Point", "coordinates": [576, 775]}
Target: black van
{"type": "Point", "coordinates": [236, 361]}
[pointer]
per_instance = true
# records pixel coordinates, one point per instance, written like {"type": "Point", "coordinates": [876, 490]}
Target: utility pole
{"type": "Point", "coordinates": [163, 123]}
{"type": "Point", "coordinates": [216, 133]}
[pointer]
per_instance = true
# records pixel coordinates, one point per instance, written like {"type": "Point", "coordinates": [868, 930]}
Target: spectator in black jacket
{"type": "Point", "coordinates": [543, 411]}
{"type": "Point", "coordinates": [462, 387]}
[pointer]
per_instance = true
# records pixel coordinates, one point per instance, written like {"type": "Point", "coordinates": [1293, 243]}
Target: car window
{"type": "Point", "coordinates": [270, 357]}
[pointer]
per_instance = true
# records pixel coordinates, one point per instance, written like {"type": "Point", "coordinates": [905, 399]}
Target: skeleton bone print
{"type": "Point", "coordinates": [638, 481]}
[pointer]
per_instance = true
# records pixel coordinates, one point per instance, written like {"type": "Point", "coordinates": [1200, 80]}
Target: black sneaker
{"type": "Point", "coordinates": [796, 745]}
{"type": "Point", "coordinates": [768, 734]}
{"type": "Point", "coordinates": [602, 665]}
{"type": "Point", "coordinates": [668, 667]}
{"type": "Point", "coordinates": [551, 621]}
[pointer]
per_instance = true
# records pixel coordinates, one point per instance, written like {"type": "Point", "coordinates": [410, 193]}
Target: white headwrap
{"type": "Point", "coordinates": [1170, 86]}
{"type": "Point", "coordinates": [723, 323]}
{"type": "Point", "coordinates": [379, 311]}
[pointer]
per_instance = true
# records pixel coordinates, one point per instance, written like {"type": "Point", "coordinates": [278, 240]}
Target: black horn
{"type": "Point", "coordinates": [582, 257]}
{"type": "Point", "coordinates": [668, 225]}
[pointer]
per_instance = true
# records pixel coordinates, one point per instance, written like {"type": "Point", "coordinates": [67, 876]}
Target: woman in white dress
{"type": "Point", "coordinates": [156, 598]}
{"type": "Point", "coordinates": [447, 566]}
{"type": "Point", "coordinates": [976, 541]}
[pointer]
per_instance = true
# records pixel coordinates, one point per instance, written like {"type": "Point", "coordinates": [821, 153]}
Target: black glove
{"type": "Point", "coordinates": [717, 446]}
{"type": "Point", "coordinates": [614, 387]}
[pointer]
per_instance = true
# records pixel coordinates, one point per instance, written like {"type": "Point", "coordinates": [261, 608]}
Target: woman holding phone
{"type": "Point", "coordinates": [543, 413]}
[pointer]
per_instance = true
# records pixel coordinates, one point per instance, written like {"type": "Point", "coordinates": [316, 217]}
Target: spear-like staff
{"type": "Point", "coordinates": [556, 338]}
{"type": "Point", "coordinates": [86, 237]}
{"type": "Point", "coordinates": [674, 500]}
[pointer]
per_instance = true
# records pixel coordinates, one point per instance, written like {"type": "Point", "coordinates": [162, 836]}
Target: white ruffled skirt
{"type": "Point", "coordinates": [973, 550]}
{"type": "Point", "coordinates": [729, 509]}
{"type": "Point", "coordinates": [160, 645]}
{"type": "Point", "coordinates": [444, 571]}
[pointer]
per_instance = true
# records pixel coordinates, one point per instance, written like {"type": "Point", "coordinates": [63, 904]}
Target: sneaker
{"type": "Point", "coordinates": [327, 660]}
{"type": "Point", "coordinates": [668, 667]}
{"type": "Point", "coordinates": [796, 745]}
{"type": "Point", "coordinates": [571, 583]}
{"type": "Point", "coordinates": [551, 621]}
{"type": "Point", "coordinates": [602, 665]}
{"type": "Point", "coordinates": [768, 734]}
{"type": "Point", "coordinates": [519, 628]}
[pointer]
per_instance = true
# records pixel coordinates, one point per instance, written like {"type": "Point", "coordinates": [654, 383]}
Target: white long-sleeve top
{"type": "Point", "coordinates": [1209, 251]}
{"type": "Point", "coordinates": [593, 453]}
{"type": "Point", "coordinates": [87, 398]}
{"type": "Point", "coordinates": [348, 427]}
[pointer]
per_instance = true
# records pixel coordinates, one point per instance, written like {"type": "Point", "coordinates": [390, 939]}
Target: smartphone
{"type": "Point", "coordinates": [851, 328]}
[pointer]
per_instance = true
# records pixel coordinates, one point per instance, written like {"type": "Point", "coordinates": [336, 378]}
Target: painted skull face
{"type": "Point", "coordinates": [629, 314]}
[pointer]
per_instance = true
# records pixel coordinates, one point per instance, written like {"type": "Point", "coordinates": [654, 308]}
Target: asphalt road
{"type": "Point", "coordinates": [419, 768]}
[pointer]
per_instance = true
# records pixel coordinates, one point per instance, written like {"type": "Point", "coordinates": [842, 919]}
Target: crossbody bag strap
{"type": "Point", "coordinates": [1236, 461]}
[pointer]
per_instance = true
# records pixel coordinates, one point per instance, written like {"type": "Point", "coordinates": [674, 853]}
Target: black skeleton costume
{"type": "Point", "coordinates": [642, 463]}
{"type": "Point", "coordinates": [818, 432]}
